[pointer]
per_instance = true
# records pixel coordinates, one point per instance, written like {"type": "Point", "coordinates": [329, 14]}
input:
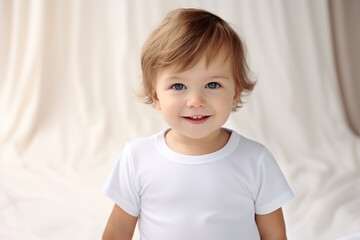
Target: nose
{"type": "Point", "coordinates": [195, 100]}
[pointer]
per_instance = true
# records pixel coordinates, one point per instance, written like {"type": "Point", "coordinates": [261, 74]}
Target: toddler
{"type": "Point", "coordinates": [196, 180]}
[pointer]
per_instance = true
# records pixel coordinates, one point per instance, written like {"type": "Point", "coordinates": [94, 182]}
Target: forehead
{"type": "Point", "coordinates": [211, 61]}
{"type": "Point", "coordinates": [219, 66]}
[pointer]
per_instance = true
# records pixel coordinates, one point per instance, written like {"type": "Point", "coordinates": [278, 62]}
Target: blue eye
{"type": "Point", "coordinates": [212, 85]}
{"type": "Point", "coordinates": [178, 86]}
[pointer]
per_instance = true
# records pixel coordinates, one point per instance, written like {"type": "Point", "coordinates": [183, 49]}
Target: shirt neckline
{"type": "Point", "coordinates": [170, 154]}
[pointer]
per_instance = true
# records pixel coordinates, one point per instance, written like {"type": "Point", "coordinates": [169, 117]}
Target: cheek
{"type": "Point", "coordinates": [165, 103]}
{"type": "Point", "coordinates": [169, 105]}
{"type": "Point", "coordinates": [226, 100]}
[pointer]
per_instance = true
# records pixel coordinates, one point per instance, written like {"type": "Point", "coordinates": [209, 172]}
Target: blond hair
{"type": "Point", "coordinates": [183, 38]}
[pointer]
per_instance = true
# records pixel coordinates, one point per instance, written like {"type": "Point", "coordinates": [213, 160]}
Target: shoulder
{"type": "Point", "coordinates": [144, 147]}
{"type": "Point", "coordinates": [252, 154]}
{"type": "Point", "coordinates": [145, 142]}
{"type": "Point", "coordinates": [247, 146]}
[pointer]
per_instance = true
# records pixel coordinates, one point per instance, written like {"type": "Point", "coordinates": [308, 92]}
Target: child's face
{"type": "Point", "coordinates": [197, 102]}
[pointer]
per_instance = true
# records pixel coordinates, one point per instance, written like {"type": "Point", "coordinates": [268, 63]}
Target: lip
{"type": "Point", "coordinates": [197, 119]}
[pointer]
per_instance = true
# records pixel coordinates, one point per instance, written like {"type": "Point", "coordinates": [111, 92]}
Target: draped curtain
{"type": "Point", "coordinates": [69, 74]}
{"type": "Point", "coordinates": [344, 19]}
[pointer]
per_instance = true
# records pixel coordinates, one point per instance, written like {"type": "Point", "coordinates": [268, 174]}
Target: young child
{"type": "Point", "coordinates": [196, 180]}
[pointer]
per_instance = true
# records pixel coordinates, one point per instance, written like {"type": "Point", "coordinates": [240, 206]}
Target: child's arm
{"type": "Point", "coordinates": [120, 225]}
{"type": "Point", "coordinates": [271, 226]}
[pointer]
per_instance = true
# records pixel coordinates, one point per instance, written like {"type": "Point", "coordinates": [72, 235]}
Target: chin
{"type": "Point", "coordinates": [197, 134]}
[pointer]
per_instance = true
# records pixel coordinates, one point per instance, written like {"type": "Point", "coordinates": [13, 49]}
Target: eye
{"type": "Point", "coordinates": [178, 86]}
{"type": "Point", "coordinates": [212, 85]}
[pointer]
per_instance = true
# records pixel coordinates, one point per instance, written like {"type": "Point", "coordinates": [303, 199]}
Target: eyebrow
{"type": "Point", "coordinates": [179, 78]}
{"type": "Point", "coordinates": [219, 76]}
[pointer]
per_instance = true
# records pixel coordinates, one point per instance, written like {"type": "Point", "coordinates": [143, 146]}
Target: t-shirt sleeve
{"type": "Point", "coordinates": [273, 190]}
{"type": "Point", "coordinates": [120, 186]}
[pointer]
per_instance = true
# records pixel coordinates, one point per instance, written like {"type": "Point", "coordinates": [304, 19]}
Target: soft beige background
{"type": "Point", "coordinates": [69, 71]}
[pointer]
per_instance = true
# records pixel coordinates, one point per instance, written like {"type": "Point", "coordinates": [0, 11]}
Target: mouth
{"type": "Point", "coordinates": [197, 118]}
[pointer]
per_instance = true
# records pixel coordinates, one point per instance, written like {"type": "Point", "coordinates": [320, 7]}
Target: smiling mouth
{"type": "Point", "coordinates": [198, 118]}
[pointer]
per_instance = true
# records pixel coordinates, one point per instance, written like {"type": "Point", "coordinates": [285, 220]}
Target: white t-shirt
{"type": "Point", "coordinates": [213, 196]}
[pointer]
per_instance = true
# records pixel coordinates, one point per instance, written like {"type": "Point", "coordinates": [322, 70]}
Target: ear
{"type": "Point", "coordinates": [155, 100]}
{"type": "Point", "coordinates": [236, 97]}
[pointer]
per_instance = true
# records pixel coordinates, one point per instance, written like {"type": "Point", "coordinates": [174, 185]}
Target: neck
{"type": "Point", "coordinates": [189, 146]}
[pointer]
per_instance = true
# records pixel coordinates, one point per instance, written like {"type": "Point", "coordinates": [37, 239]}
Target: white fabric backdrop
{"type": "Point", "coordinates": [68, 75]}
